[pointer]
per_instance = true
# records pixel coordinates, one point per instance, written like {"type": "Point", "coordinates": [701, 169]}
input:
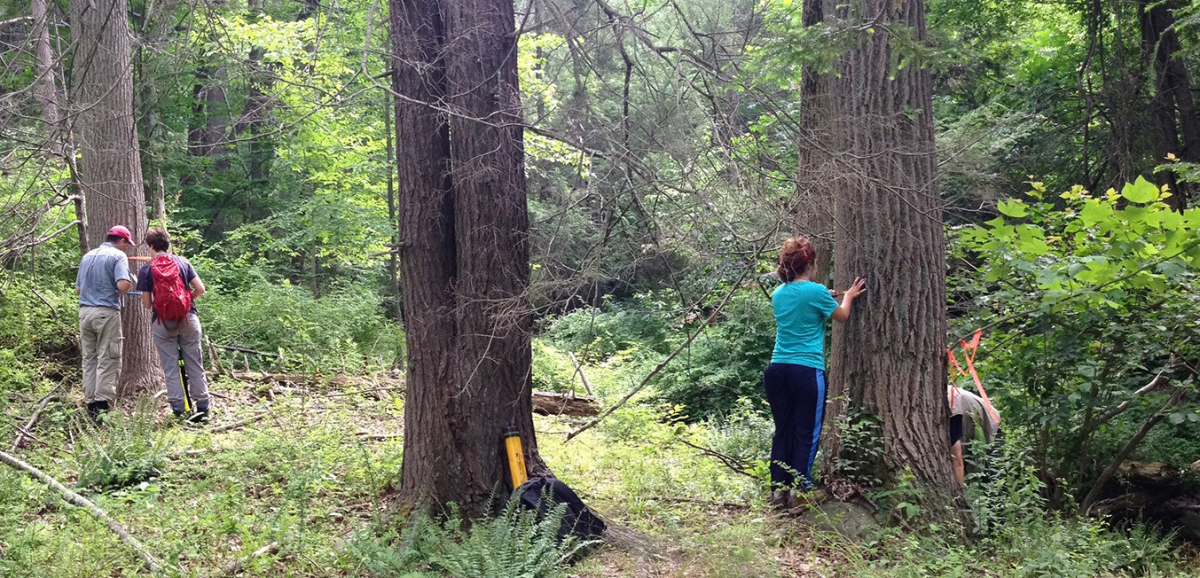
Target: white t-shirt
{"type": "Point", "coordinates": [972, 407]}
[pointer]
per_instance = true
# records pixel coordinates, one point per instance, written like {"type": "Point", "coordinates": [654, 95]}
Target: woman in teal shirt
{"type": "Point", "coordinates": [795, 379]}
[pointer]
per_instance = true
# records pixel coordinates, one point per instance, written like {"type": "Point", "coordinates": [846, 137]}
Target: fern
{"type": "Point", "coordinates": [513, 544]}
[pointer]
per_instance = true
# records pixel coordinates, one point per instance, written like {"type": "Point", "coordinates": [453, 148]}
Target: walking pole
{"type": "Point", "coordinates": [183, 379]}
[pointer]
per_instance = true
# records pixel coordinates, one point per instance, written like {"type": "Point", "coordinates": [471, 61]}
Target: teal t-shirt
{"type": "Point", "coordinates": [801, 308]}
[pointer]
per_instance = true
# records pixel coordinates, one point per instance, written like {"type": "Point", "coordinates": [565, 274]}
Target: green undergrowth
{"type": "Point", "coordinates": [314, 476]}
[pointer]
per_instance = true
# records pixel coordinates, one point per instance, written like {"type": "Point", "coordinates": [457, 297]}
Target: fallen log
{"type": "Point", "coordinates": [547, 403]}
{"type": "Point", "coordinates": [151, 562]}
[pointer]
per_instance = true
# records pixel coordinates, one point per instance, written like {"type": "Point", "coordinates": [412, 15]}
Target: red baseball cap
{"type": "Point", "coordinates": [121, 232]}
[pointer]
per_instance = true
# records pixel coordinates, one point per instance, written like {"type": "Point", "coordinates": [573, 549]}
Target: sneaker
{"type": "Point", "coordinates": [199, 418]}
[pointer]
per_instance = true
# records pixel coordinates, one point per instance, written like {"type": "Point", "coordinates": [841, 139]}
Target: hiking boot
{"type": "Point", "coordinates": [779, 500]}
{"type": "Point", "coordinates": [200, 417]}
{"type": "Point", "coordinates": [95, 409]}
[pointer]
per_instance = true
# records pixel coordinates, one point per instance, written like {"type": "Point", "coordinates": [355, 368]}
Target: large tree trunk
{"type": "Point", "coordinates": [1171, 105]}
{"type": "Point", "coordinates": [889, 360]}
{"type": "Point", "coordinates": [109, 172]}
{"type": "Point", "coordinates": [465, 264]}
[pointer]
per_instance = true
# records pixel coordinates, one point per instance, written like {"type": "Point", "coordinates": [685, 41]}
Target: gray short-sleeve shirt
{"type": "Point", "coordinates": [99, 272]}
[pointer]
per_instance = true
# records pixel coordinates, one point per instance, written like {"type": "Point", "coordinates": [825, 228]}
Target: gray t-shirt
{"type": "Point", "coordinates": [974, 410]}
{"type": "Point", "coordinates": [99, 272]}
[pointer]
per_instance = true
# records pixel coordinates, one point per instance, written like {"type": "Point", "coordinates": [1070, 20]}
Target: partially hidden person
{"type": "Point", "coordinates": [170, 286]}
{"type": "Point", "coordinates": [795, 379]}
{"type": "Point", "coordinates": [966, 410]}
{"type": "Point", "coordinates": [102, 282]}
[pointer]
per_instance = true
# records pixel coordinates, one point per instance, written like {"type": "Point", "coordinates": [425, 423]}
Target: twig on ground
{"type": "Point", "coordinates": [582, 376]}
{"type": "Point", "coordinates": [238, 424]}
{"type": "Point", "coordinates": [24, 432]}
{"type": "Point", "coordinates": [717, 503]}
{"type": "Point", "coordinates": [738, 466]}
{"type": "Point", "coordinates": [151, 562]}
{"type": "Point", "coordinates": [237, 566]}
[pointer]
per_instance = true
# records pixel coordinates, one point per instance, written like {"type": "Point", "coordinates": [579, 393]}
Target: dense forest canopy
{"type": "Point", "coordinates": [442, 203]}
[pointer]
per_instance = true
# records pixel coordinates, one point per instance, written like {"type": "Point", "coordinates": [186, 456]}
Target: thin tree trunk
{"type": "Point", "coordinates": [47, 85]}
{"type": "Point", "coordinates": [393, 257]}
{"type": "Point", "coordinates": [109, 171]}
{"type": "Point", "coordinates": [814, 204]}
{"type": "Point", "coordinates": [1171, 105]}
{"type": "Point", "coordinates": [889, 359]}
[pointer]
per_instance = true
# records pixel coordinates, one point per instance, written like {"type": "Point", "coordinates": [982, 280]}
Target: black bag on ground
{"type": "Point", "coordinates": [542, 494]}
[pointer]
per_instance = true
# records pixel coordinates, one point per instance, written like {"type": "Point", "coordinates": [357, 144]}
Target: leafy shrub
{"type": "Point", "coordinates": [552, 369]}
{"type": "Point", "coordinates": [512, 544]}
{"type": "Point", "coordinates": [744, 433]}
{"type": "Point", "coordinates": [596, 334]}
{"type": "Point", "coordinates": [344, 330]}
{"type": "Point", "coordinates": [126, 451]}
{"type": "Point", "coordinates": [1098, 291]}
{"type": "Point", "coordinates": [725, 364]}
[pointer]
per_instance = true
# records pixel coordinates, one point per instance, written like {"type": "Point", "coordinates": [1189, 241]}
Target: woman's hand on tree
{"type": "Point", "coordinates": [857, 288]}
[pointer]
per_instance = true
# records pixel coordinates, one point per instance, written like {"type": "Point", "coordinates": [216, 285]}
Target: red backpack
{"type": "Point", "coordinates": [172, 300]}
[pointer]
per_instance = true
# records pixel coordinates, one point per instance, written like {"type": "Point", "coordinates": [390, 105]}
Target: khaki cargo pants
{"type": "Point", "coordinates": [102, 341]}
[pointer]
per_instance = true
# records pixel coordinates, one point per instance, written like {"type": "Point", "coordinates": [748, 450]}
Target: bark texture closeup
{"type": "Point", "coordinates": [109, 170]}
{"type": "Point", "coordinates": [464, 249]}
{"type": "Point", "coordinates": [889, 359]}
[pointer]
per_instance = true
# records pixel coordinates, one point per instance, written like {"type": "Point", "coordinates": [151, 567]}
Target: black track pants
{"type": "Point", "coordinates": [797, 397]}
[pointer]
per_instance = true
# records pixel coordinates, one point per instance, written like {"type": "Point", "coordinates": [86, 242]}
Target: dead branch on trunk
{"type": "Point", "coordinates": [151, 562]}
{"type": "Point", "coordinates": [1155, 384]}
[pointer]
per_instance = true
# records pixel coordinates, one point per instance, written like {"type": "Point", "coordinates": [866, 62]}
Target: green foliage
{"type": "Point", "coordinates": [553, 370]}
{"type": "Point", "coordinates": [725, 363]}
{"type": "Point", "coordinates": [126, 451]}
{"type": "Point", "coordinates": [745, 432]}
{"type": "Point", "coordinates": [512, 544]}
{"type": "Point", "coordinates": [862, 447]}
{"type": "Point", "coordinates": [1095, 294]}
{"type": "Point", "coordinates": [344, 330]}
{"type": "Point", "coordinates": [596, 334]}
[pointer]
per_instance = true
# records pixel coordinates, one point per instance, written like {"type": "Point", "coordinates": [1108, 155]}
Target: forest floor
{"type": "Point", "coordinates": [313, 475]}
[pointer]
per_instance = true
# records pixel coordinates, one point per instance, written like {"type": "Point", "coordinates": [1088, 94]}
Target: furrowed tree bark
{"type": "Point", "coordinates": [465, 257]}
{"type": "Point", "coordinates": [889, 359]}
{"type": "Point", "coordinates": [109, 169]}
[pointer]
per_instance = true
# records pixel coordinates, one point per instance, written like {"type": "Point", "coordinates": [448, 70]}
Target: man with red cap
{"type": "Point", "coordinates": [102, 281]}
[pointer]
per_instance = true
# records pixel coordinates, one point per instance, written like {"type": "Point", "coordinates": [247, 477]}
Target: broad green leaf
{"type": "Point", "coordinates": [1095, 211]}
{"type": "Point", "coordinates": [1013, 208]}
{"type": "Point", "coordinates": [1140, 191]}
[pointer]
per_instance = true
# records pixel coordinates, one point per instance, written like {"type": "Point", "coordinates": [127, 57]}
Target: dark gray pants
{"type": "Point", "coordinates": [172, 339]}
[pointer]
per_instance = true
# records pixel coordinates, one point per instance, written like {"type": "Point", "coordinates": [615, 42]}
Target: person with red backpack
{"type": "Point", "coordinates": [169, 286]}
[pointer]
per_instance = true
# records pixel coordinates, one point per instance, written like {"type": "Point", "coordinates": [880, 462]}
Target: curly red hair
{"type": "Point", "coordinates": [796, 257]}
